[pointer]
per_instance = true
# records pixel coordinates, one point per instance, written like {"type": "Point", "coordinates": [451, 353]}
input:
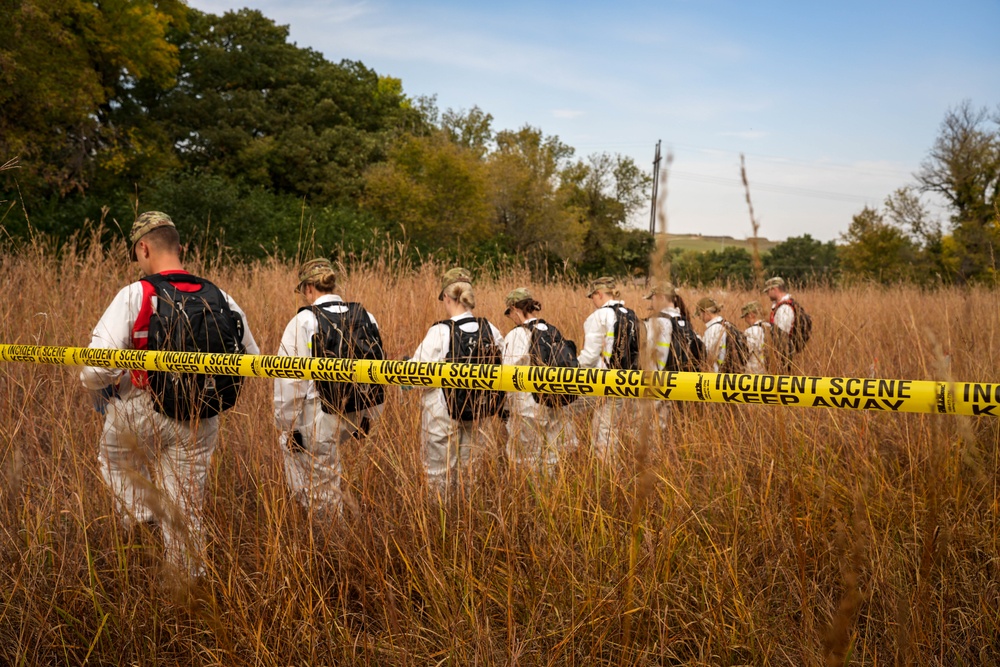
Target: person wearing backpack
{"type": "Point", "coordinates": [449, 419]}
{"type": "Point", "coordinates": [316, 418]}
{"type": "Point", "coordinates": [725, 347]}
{"type": "Point", "coordinates": [611, 340]}
{"type": "Point", "coordinates": [757, 334]}
{"type": "Point", "coordinates": [673, 344]}
{"type": "Point", "coordinates": [540, 427]}
{"type": "Point", "coordinates": [791, 325]}
{"type": "Point", "coordinates": [161, 428]}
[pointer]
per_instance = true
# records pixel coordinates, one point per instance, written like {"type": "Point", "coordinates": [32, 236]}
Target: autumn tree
{"type": "Point", "coordinates": [963, 166]}
{"type": "Point", "coordinates": [68, 70]}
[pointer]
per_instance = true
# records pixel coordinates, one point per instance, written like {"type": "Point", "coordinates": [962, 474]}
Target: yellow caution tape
{"type": "Point", "coordinates": [962, 398]}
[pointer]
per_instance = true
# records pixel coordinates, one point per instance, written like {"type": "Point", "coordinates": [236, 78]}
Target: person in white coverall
{"type": "Point", "coordinates": [782, 321]}
{"type": "Point", "coordinates": [538, 434]}
{"type": "Point", "coordinates": [665, 306]}
{"type": "Point", "coordinates": [448, 443]}
{"type": "Point", "coordinates": [310, 437]}
{"type": "Point", "coordinates": [715, 335]}
{"type": "Point", "coordinates": [756, 334]}
{"type": "Point", "coordinates": [610, 414]}
{"type": "Point", "coordinates": [155, 466]}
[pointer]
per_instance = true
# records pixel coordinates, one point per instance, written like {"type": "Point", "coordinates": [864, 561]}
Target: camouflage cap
{"type": "Point", "coordinates": [604, 283]}
{"type": "Point", "coordinates": [707, 304]}
{"type": "Point", "coordinates": [452, 276]}
{"type": "Point", "coordinates": [776, 281]}
{"type": "Point", "coordinates": [144, 224]}
{"type": "Point", "coordinates": [751, 308]}
{"type": "Point", "coordinates": [516, 296]}
{"type": "Point", "coordinates": [313, 270]}
{"type": "Point", "coordinates": [663, 287]}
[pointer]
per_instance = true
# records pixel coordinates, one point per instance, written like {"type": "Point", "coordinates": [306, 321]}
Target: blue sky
{"type": "Point", "coordinates": [834, 104]}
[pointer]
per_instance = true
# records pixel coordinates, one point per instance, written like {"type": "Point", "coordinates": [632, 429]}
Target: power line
{"type": "Point", "coordinates": [771, 187]}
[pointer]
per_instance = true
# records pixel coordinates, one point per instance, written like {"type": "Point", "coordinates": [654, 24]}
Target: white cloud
{"type": "Point", "coordinates": [566, 113]}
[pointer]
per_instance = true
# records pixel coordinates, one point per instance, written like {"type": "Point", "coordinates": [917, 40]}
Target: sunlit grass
{"type": "Point", "coordinates": [746, 535]}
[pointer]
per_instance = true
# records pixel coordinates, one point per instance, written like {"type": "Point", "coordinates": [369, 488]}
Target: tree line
{"type": "Point", "coordinates": [258, 146]}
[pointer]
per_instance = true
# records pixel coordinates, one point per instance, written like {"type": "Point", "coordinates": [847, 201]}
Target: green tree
{"type": "Point", "coordinates": [963, 166]}
{"type": "Point", "coordinates": [66, 68]}
{"type": "Point", "coordinates": [432, 191]}
{"type": "Point", "coordinates": [802, 259]}
{"type": "Point", "coordinates": [875, 249]}
{"type": "Point", "coordinates": [249, 104]}
{"type": "Point", "coordinates": [531, 208]}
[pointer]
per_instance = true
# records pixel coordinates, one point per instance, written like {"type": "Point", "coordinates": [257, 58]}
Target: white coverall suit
{"type": "Point", "coordinates": [715, 339]}
{"type": "Point", "coordinates": [155, 466]}
{"type": "Point", "coordinates": [609, 413]}
{"type": "Point", "coordinates": [538, 433]}
{"type": "Point", "coordinates": [312, 466]}
{"type": "Point", "coordinates": [659, 333]}
{"type": "Point", "coordinates": [447, 442]}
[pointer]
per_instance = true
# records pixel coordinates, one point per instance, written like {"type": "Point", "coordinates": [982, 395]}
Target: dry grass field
{"type": "Point", "coordinates": [749, 535]}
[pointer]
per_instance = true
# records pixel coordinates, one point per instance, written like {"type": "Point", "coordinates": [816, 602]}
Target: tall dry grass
{"type": "Point", "coordinates": [750, 535]}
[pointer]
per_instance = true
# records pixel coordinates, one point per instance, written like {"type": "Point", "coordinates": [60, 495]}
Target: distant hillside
{"type": "Point", "coordinates": [702, 243]}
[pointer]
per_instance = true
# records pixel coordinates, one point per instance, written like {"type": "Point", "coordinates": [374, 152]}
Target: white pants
{"type": "Point", "coordinates": [156, 467]}
{"type": "Point", "coordinates": [538, 435]}
{"type": "Point", "coordinates": [449, 445]}
{"type": "Point", "coordinates": [612, 418]}
{"type": "Point", "coordinates": [312, 469]}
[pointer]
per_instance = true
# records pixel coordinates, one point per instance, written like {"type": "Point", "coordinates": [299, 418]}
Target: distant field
{"type": "Point", "coordinates": [702, 243]}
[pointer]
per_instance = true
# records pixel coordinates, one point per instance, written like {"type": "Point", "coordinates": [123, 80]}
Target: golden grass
{"type": "Point", "coordinates": [754, 535]}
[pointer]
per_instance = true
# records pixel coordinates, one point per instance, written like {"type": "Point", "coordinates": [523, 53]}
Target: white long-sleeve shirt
{"type": "Point", "coordinates": [517, 352]}
{"type": "Point", "coordinates": [715, 342]}
{"type": "Point", "coordinates": [296, 341]}
{"type": "Point", "coordinates": [437, 343]}
{"type": "Point", "coordinates": [599, 336]}
{"type": "Point", "coordinates": [756, 336]}
{"type": "Point", "coordinates": [783, 314]}
{"type": "Point", "coordinates": [659, 333]}
{"type": "Point", "coordinates": [114, 331]}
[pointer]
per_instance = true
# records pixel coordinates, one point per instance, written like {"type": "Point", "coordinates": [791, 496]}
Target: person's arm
{"type": "Point", "coordinates": [434, 346]}
{"type": "Point", "coordinates": [516, 347]}
{"type": "Point", "coordinates": [113, 331]}
{"type": "Point", "coordinates": [248, 340]}
{"type": "Point", "coordinates": [289, 395]}
{"type": "Point", "coordinates": [659, 331]}
{"type": "Point", "coordinates": [594, 335]}
{"type": "Point", "coordinates": [784, 318]}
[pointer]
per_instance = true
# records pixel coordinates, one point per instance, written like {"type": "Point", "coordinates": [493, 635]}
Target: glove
{"type": "Point", "coordinates": [101, 397]}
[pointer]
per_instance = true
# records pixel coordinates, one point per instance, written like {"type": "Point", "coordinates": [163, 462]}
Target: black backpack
{"type": "Point", "coordinates": [687, 351]}
{"type": "Point", "coordinates": [199, 321]}
{"type": "Point", "coordinates": [737, 350]}
{"type": "Point", "coordinates": [475, 347]}
{"type": "Point", "coordinates": [346, 335]}
{"type": "Point", "coordinates": [802, 326]}
{"type": "Point", "coordinates": [549, 348]}
{"type": "Point", "coordinates": [625, 352]}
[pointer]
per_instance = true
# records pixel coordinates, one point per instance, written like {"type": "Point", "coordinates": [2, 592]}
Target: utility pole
{"type": "Point", "coordinates": [656, 188]}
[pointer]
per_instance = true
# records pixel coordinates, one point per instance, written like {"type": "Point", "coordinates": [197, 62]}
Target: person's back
{"type": "Point", "coordinates": [611, 340]}
{"type": "Point", "coordinates": [315, 418]}
{"type": "Point", "coordinates": [539, 426]}
{"type": "Point", "coordinates": [756, 335]}
{"type": "Point", "coordinates": [448, 439]}
{"type": "Point", "coordinates": [154, 455]}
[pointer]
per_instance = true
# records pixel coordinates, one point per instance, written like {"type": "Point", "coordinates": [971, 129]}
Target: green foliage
{"type": "Point", "coordinates": [67, 65]}
{"type": "Point", "coordinates": [431, 189]}
{"type": "Point", "coordinates": [963, 166]}
{"type": "Point", "coordinates": [253, 105]}
{"type": "Point", "coordinates": [214, 212]}
{"type": "Point", "coordinates": [802, 259]}
{"type": "Point", "coordinates": [731, 266]}
{"type": "Point", "coordinates": [877, 250]}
